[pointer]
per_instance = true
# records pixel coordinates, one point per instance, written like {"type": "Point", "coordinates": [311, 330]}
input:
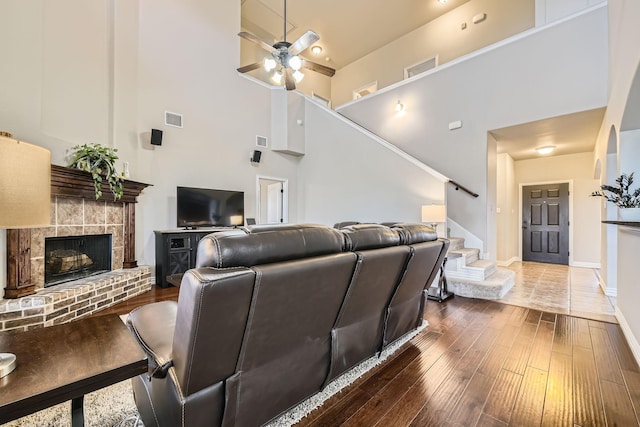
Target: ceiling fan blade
{"type": "Point", "coordinates": [289, 81]}
{"type": "Point", "coordinates": [250, 67]}
{"type": "Point", "coordinates": [306, 40]}
{"type": "Point", "coordinates": [253, 39]}
{"type": "Point", "coordinates": [322, 69]}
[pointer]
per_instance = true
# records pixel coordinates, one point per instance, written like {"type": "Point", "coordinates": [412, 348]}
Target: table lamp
{"type": "Point", "coordinates": [25, 197]}
{"type": "Point", "coordinates": [433, 214]}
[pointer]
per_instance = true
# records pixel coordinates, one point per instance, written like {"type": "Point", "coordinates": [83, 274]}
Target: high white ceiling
{"type": "Point", "coordinates": [570, 134]}
{"type": "Point", "coordinates": [348, 29]}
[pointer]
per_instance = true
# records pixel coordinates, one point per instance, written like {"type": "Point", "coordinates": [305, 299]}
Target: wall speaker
{"type": "Point", "coordinates": [156, 137]}
{"type": "Point", "coordinates": [255, 156]}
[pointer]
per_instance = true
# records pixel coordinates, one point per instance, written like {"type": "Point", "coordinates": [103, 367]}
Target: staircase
{"type": "Point", "coordinates": [471, 277]}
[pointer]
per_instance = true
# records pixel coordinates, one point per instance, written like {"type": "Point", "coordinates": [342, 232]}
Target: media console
{"type": "Point", "coordinates": [176, 252]}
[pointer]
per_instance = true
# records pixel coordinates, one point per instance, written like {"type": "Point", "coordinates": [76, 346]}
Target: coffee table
{"type": "Point", "coordinates": [64, 362]}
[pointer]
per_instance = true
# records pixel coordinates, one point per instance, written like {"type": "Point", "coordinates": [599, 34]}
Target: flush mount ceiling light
{"type": "Point", "coordinates": [316, 50]}
{"type": "Point", "coordinates": [442, 1]}
{"type": "Point", "coordinates": [546, 150]}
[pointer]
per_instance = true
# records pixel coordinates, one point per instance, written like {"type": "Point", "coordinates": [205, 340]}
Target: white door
{"type": "Point", "coordinates": [274, 203]}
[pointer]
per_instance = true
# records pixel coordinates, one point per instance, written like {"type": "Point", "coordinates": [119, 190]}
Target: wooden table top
{"type": "Point", "coordinates": [63, 362]}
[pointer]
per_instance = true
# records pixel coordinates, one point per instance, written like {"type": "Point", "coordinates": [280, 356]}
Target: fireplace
{"type": "Point", "coordinates": [74, 257]}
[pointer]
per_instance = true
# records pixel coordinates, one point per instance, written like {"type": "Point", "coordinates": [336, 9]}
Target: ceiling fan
{"type": "Point", "coordinates": [284, 58]}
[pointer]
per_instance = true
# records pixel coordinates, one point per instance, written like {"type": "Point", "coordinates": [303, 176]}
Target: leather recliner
{"type": "Point", "coordinates": [270, 316]}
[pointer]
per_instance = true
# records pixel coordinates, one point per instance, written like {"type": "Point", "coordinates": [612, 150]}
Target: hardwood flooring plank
{"type": "Point", "coordinates": [621, 348]}
{"type": "Point", "coordinates": [617, 405]}
{"type": "Point", "coordinates": [489, 421]}
{"type": "Point", "coordinates": [529, 404]}
{"type": "Point", "coordinates": [542, 344]}
{"type": "Point", "coordinates": [518, 357]}
{"type": "Point", "coordinates": [409, 405]}
{"type": "Point", "coordinates": [562, 340]}
{"type": "Point", "coordinates": [441, 403]}
{"type": "Point", "coordinates": [533, 316]}
{"type": "Point", "coordinates": [469, 408]}
{"type": "Point", "coordinates": [492, 364]}
{"type": "Point", "coordinates": [606, 360]}
{"type": "Point", "coordinates": [518, 316]}
{"type": "Point", "coordinates": [632, 380]}
{"type": "Point", "coordinates": [548, 317]}
{"type": "Point", "coordinates": [597, 324]}
{"type": "Point", "coordinates": [580, 332]}
{"type": "Point", "coordinates": [558, 408]}
{"type": "Point", "coordinates": [587, 406]}
{"type": "Point", "coordinates": [500, 402]}
{"type": "Point", "coordinates": [341, 411]}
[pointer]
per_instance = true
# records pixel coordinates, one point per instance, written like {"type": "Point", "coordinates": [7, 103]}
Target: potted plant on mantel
{"type": "Point", "coordinates": [99, 161]}
{"type": "Point", "coordinates": [628, 201]}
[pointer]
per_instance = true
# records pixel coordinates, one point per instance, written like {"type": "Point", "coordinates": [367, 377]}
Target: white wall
{"type": "Point", "coordinates": [346, 175]}
{"type": "Point", "coordinates": [624, 58]}
{"type": "Point", "coordinates": [585, 217]}
{"type": "Point", "coordinates": [507, 217]}
{"type": "Point", "coordinates": [565, 70]}
{"type": "Point", "coordinates": [442, 37]}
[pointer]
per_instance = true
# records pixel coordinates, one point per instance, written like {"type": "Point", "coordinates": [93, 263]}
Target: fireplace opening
{"type": "Point", "coordinates": [74, 257]}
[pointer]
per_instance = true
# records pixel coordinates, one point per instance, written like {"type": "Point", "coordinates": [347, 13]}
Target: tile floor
{"type": "Point", "coordinates": [560, 289]}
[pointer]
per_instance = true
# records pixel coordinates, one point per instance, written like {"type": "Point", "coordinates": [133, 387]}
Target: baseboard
{"type": "Point", "coordinates": [610, 292]}
{"type": "Point", "coordinates": [628, 334]}
{"type": "Point", "coordinates": [585, 264]}
{"type": "Point", "coordinates": [508, 262]}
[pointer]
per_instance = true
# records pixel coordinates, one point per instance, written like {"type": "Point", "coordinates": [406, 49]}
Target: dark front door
{"type": "Point", "coordinates": [545, 223]}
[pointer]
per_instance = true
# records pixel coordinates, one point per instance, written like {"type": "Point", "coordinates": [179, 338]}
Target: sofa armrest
{"type": "Point", "coordinates": [153, 326]}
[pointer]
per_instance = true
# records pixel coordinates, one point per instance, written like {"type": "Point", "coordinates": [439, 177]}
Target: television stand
{"type": "Point", "coordinates": [176, 253]}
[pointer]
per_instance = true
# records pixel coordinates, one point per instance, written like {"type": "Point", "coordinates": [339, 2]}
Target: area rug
{"type": "Point", "coordinates": [114, 405]}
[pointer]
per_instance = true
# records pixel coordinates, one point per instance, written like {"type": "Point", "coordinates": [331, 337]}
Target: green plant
{"type": "Point", "coordinates": [620, 195]}
{"type": "Point", "coordinates": [99, 161]}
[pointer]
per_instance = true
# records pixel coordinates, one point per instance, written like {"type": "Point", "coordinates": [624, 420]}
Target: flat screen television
{"type": "Point", "coordinates": [204, 207]}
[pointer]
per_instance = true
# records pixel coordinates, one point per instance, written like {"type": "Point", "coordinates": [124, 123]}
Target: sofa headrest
{"type": "Point", "coordinates": [343, 224]}
{"type": "Point", "coordinates": [267, 247]}
{"type": "Point", "coordinates": [369, 236]}
{"type": "Point", "coordinates": [261, 228]}
{"type": "Point", "coordinates": [415, 233]}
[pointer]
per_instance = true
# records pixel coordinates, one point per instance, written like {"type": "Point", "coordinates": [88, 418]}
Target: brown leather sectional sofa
{"type": "Point", "coordinates": [270, 315]}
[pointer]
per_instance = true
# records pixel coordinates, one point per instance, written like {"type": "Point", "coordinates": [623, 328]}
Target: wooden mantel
{"type": "Point", "coordinates": [68, 182]}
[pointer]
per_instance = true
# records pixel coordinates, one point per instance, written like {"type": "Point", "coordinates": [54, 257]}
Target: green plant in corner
{"type": "Point", "coordinates": [620, 195]}
{"type": "Point", "coordinates": [99, 161]}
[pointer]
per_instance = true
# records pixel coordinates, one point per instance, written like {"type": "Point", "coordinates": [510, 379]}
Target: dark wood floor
{"type": "Point", "coordinates": [482, 363]}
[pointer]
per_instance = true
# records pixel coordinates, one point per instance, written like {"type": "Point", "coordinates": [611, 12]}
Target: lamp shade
{"type": "Point", "coordinates": [25, 185]}
{"type": "Point", "coordinates": [434, 213]}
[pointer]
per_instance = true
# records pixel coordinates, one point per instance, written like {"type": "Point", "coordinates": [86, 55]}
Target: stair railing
{"type": "Point", "coordinates": [460, 187]}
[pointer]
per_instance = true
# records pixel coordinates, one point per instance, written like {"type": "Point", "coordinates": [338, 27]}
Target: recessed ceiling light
{"type": "Point", "coordinates": [316, 50]}
{"type": "Point", "coordinates": [546, 150]}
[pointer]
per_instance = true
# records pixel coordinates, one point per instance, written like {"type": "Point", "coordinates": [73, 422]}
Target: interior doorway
{"type": "Point", "coordinates": [272, 200]}
{"type": "Point", "coordinates": [545, 223]}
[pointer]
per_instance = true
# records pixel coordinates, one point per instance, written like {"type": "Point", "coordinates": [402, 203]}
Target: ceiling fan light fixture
{"type": "Point", "coordinates": [277, 77]}
{"type": "Point", "coordinates": [295, 62]}
{"type": "Point", "coordinates": [269, 64]}
{"type": "Point", "coordinates": [298, 76]}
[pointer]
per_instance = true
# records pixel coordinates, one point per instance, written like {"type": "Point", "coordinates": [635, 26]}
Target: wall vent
{"type": "Point", "coordinates": [173, 119]}
{"type": "Point", "coordinates": [421, 67]}
{"type": "Point", "coordinates": [261, 141]}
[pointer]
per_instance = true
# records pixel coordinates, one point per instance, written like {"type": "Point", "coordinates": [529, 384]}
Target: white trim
{"type": "Point", "coordinates": [628, 334]}
{"type": "Point", "coordinates": [561, 181]}
{"type": "Point", "coordinates": [285, 197]}
{"type": "Point", "coordinates": [479, 52]}
{"type": "Point", "coordinates": [595, 265]}
{"type": "Point", "coordinates": [508, 262]}
{"type": "Point", "coordinates": [383, 142]}
{"type": "Point", "coordinates": [258, 81]}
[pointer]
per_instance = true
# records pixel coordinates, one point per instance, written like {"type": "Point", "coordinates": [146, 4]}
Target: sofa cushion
{"type": "Point", "coordinates": [415, 233]}
{"type": "Point", "coordinates": [361, 237]}
{"type": "Point", "coordinates": [266, 247]}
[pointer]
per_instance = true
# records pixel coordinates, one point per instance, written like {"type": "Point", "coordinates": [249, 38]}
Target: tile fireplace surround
{"type": "Point", "coordinates": [76, 213]}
